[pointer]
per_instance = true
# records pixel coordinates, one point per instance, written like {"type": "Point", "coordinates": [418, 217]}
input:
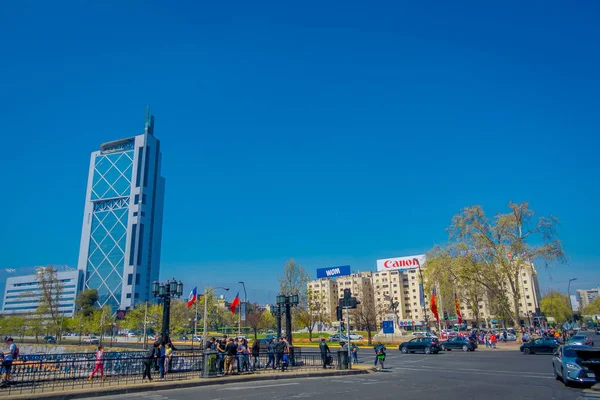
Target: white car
{"type": "Point", "coordinates": [354, 336]}
{"type": "Point", "coordinates": [197, 339]}
{"type": "Point", "coordinates": [91, 340]}
{"type": "Point", "coordinates": [131, 334]}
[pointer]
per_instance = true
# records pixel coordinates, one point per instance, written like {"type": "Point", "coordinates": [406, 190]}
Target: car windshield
{"type": "Point", "coordinates": [578, 337]}
{"type": "Point", "coordinates": [569, 353]}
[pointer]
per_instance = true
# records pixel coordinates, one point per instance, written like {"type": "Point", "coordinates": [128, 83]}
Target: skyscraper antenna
{"type": "Point", "coordinates": [148, 122]}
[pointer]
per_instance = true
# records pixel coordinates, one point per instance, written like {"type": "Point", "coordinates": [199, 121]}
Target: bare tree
{"type": "Point", "coordinates": [365, 314]}
{"type": "Point", "coordinates": [51, 290]}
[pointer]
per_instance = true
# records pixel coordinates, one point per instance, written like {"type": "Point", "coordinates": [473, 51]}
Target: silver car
{"type": "Point", "coordinates": [572, 364]}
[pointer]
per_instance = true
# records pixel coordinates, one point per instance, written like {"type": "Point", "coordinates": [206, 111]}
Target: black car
{"type": "Point", "coordinates": [540, 346]}
{"type": "Point", "coordinates": [458, 343]}
{"type": "Point", "coordinates": [598, 330]}
{"type": "Point", "coordinates": [426, 345]}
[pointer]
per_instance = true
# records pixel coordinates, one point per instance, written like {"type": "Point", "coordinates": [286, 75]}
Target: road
{"type": "Point", "coordinates": [449, 376]}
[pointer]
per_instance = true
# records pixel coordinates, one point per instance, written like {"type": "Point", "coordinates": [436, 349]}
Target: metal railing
{"type": "Point", "coordinates": [62, 372]}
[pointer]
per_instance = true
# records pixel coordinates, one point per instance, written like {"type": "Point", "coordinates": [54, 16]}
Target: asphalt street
{"type": "Point", "coordinates": [450, 375]}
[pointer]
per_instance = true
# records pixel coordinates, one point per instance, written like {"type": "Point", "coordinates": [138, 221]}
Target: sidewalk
{"type": "Point", "coordinates": [103, 389]}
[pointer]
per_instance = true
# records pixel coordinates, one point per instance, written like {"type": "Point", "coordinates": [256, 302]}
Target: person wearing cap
{"type": "Point", "coordinates": [325, 352]}
{"type": "Point", "coordinates": [8, 360]}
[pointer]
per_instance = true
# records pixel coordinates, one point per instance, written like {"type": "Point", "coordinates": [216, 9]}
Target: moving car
{"type": "Point", "coordinates": [580, 340]}
{"type": "Point", "coordinates": [598, 330]}
{"type": "Point", "coordinates": [509, 337]}
{"type": "Point", "coordinates": [356, 336]}
{"type": "Point", "coordinates": [540, 346]}
{"type": "Point", "coordinates": [49, 339]}
{"type": "Point", "coordinates": [426, 345]}
{"type": "Point", "coordinates": [458, 343]}
{"type": "Point", "coordinates": [91, 340]}
{"type": "Point", "coordinates": [575, 363]}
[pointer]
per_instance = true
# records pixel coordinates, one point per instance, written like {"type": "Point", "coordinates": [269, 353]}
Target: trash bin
{"type": "Point", "coordinates": [209, 368]}
{"type": "Point", "coordinates": [342, 359]}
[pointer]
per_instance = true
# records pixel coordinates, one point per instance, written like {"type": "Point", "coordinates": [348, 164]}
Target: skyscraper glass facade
{"type": "Point", "coordinates": [125, 194]}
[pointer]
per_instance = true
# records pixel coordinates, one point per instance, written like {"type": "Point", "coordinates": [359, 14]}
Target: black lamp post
{"type": "Point", "coordinates": [276, 310]}
{"type": "Point", "coordinates": [285, 304]}
{"type": "Point", "coordinates": [166, 291]}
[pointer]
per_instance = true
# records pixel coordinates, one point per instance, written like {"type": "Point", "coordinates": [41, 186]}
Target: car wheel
{"type": "Point", "coordinates": [404, 350]}
{"type": "Point", "coordinates": [465, 347]}
{"type": "Point", "coordinates": [526, 350]}
{"type": "Point", "coordinates": [427, 350]}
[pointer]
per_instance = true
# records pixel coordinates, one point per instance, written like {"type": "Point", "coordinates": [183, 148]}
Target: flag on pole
{"type": "Point", "coordinates": [235, 303]}
{"type": "Point", "coordinates": [434, 309]}
{"type": "Point", "coordinates": [193, 297]}
{"type": "Point", "coordinates": [457, 305]}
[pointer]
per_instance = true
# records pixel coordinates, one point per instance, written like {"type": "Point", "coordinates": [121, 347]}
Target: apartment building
{"type": "Point", "coordinates": [324, 293]}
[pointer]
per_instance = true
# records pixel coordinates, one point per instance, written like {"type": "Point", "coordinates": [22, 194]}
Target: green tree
{"type": "Point", "coordinates": [593, 308]}
{"type": "Point", "coordinates": [267, 320]}
{"type": "Point", "coordinates": [555, 304]}
{"type": "Point", "coordinates": [484, 245]}
{"type": "Point", "coordinates": [86, 301]}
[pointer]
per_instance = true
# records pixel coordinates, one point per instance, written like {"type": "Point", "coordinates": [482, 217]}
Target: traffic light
{"type": "Point", "coordinates": [343, 327]}
{"type": "Point", "coordinates": [445, 315]}
{"type": "Point", "coordinates": [338, 313]}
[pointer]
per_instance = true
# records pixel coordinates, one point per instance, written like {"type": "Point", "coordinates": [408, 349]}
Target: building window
{"type": "Point", "coordinates": [146, 164]}
{"type": "Point", "coordinates": [129, 279]}
{"type": "Point", "coordinates": [139, 166]}
{"type": "Point", "coordinates": [128, 295]}
{"type": "Point", "coordinates": [137, 296]}
{"type": "Point", "coordinates": [527, 296]}
{"type": "Point", "coordinates": [137, 279]}
{"type": "Point", "coordinates": [525, 282]}
{"type": "Point", "coordinates": [414, 290]}
{"type": "Point", "coordinates": [529, 304]}
{"type": "Point", "coordinates": [414, 297]}
{"type": "Point", "coordinates": [136, 199]}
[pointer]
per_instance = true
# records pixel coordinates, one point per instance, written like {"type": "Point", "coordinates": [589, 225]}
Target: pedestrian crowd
{"type": "Point", "coordinates": [233, 355]}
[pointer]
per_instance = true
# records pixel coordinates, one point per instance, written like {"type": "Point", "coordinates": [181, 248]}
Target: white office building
{"type": "Point", "coordinates": [22, 294]}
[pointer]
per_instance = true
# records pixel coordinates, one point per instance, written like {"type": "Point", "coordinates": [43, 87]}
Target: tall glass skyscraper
{"type": "Point", "coordinates": [122, 221]}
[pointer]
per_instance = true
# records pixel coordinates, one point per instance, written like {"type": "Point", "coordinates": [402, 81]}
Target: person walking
{"type": "Point", "coordinates": [279, 348]}
{"type": "Point", "coordinates": [255, 355]}
{"type": "Point", "coordinates": [493, 340]}
{"type": "Point", "coordinates": [99, 364]}
{"type": "Point", "coordinates": [325, 352]}
{"type": "Point", "coordinates": [148, 361]}
{"type": "Point", "coordinates": [230, 352]}
{"type": "Point", "coordinates": [377, 347]}
{"type": "Point", "coordinates": [271, 355]}
{"type": "Point", "coordinates": [380, 351]}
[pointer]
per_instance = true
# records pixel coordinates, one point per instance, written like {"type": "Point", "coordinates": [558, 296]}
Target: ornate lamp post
{"type": "Point", "coordinates": [276, 310]}
{"type": "Point", "coordinates": [285, 304]}
{"type": "Point", "coordinates": [166, 291]}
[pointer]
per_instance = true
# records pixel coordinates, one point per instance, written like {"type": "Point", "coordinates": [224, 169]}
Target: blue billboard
{"type": "Point", "coordinates": [333, 272]}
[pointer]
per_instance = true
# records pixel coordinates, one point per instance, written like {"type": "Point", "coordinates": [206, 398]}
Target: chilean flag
{"type": "Point", "coordinates": [235, 303]}
{"type": "Point", "coordinates": [433, 305]}
{"type": "Point", "coordinates": [193, 297]}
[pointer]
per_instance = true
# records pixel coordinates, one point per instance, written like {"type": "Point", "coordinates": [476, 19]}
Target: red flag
{"type": "Point", "coordinates": [235, 303]}
{"type": "Point", "coordinates": [434, 309]}
{"type": "Point", "coordinates": [457, 304]}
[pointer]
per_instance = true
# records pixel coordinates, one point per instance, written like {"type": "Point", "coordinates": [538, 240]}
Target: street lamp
{"type": "Point", "coordinates": [285, 304]}
{"type": "Point", "coordinates": [244, 308]}
{"type": "Point", "coordinates": [277, 310]}
{"type": "Point", "coordinates": [205, 314]}
{"type": "Point", "coordinates": [569, 294]}
{"type": "Point", "coordinates": [166, 291]}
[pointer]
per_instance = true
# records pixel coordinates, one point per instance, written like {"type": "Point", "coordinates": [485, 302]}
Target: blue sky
{"type": "Point", "coordinates": [332, 132]}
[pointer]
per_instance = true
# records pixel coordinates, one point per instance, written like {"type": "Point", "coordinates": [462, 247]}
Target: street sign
{"type": "Point", "coordinates": [388, 326]}
{"type": "Point", "coordinates": [333, 272]}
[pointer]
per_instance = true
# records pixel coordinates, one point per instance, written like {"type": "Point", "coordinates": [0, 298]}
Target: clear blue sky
{"type": "Point", "coordinates": [333, 132]}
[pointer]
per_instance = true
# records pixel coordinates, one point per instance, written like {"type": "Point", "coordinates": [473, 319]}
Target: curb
{"type": "Point", "coordinates": [195, 382]}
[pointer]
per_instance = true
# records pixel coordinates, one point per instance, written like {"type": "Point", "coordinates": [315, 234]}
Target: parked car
{"type": "Point", "coordinates": [91, 340]}
{"type": "Point", "coordinates": [49, 339]}
{"type": "Point", "coordinates": [572, 364]}
{"type": "Point", "coordinates": [131, 334]}
{"type": "Point", "coordinates": [598, 330]}
{"type": "Point", "coordinates": [336, 337]}
{"type": "Point", "coordinates": [458, 343]}
{"type": "Point", "coordinates": [447, 333]}
{"type": "Point", "coordinates": [540, 346]}
{"type": "Point", "coordinates": [580, 340]}
{"type": "Point", "coordinates": [426, 345]}
{"type": "Point", "coordinates": [509, 337]}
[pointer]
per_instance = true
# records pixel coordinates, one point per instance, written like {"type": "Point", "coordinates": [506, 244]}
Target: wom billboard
{"type": "Point", "coordinates": [333, 272]}
{"type": "Point", "coordinates": [401, 263]}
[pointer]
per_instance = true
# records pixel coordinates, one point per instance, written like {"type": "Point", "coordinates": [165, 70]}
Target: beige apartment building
{"type": "Point", "coordinates": [323, 293]}
{"type": "Point", "coordinates": [585, 297]}
{"type": "Point", "coordinates": [403, 287]}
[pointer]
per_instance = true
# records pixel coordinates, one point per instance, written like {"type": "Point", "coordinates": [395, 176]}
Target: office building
{"type": "Point", "coordinates": [23, 294]}
{"type": "Point", "coordinates": [585, 297]}
{"type": "Point", "coordinates": [122, 220]}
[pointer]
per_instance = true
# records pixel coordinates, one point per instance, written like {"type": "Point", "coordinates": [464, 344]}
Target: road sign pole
{"type": "Point", "coordinates": [348, 334]}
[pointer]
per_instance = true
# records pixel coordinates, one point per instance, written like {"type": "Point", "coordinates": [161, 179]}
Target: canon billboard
{"type": "Point", "coordinates": [401, 263]}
